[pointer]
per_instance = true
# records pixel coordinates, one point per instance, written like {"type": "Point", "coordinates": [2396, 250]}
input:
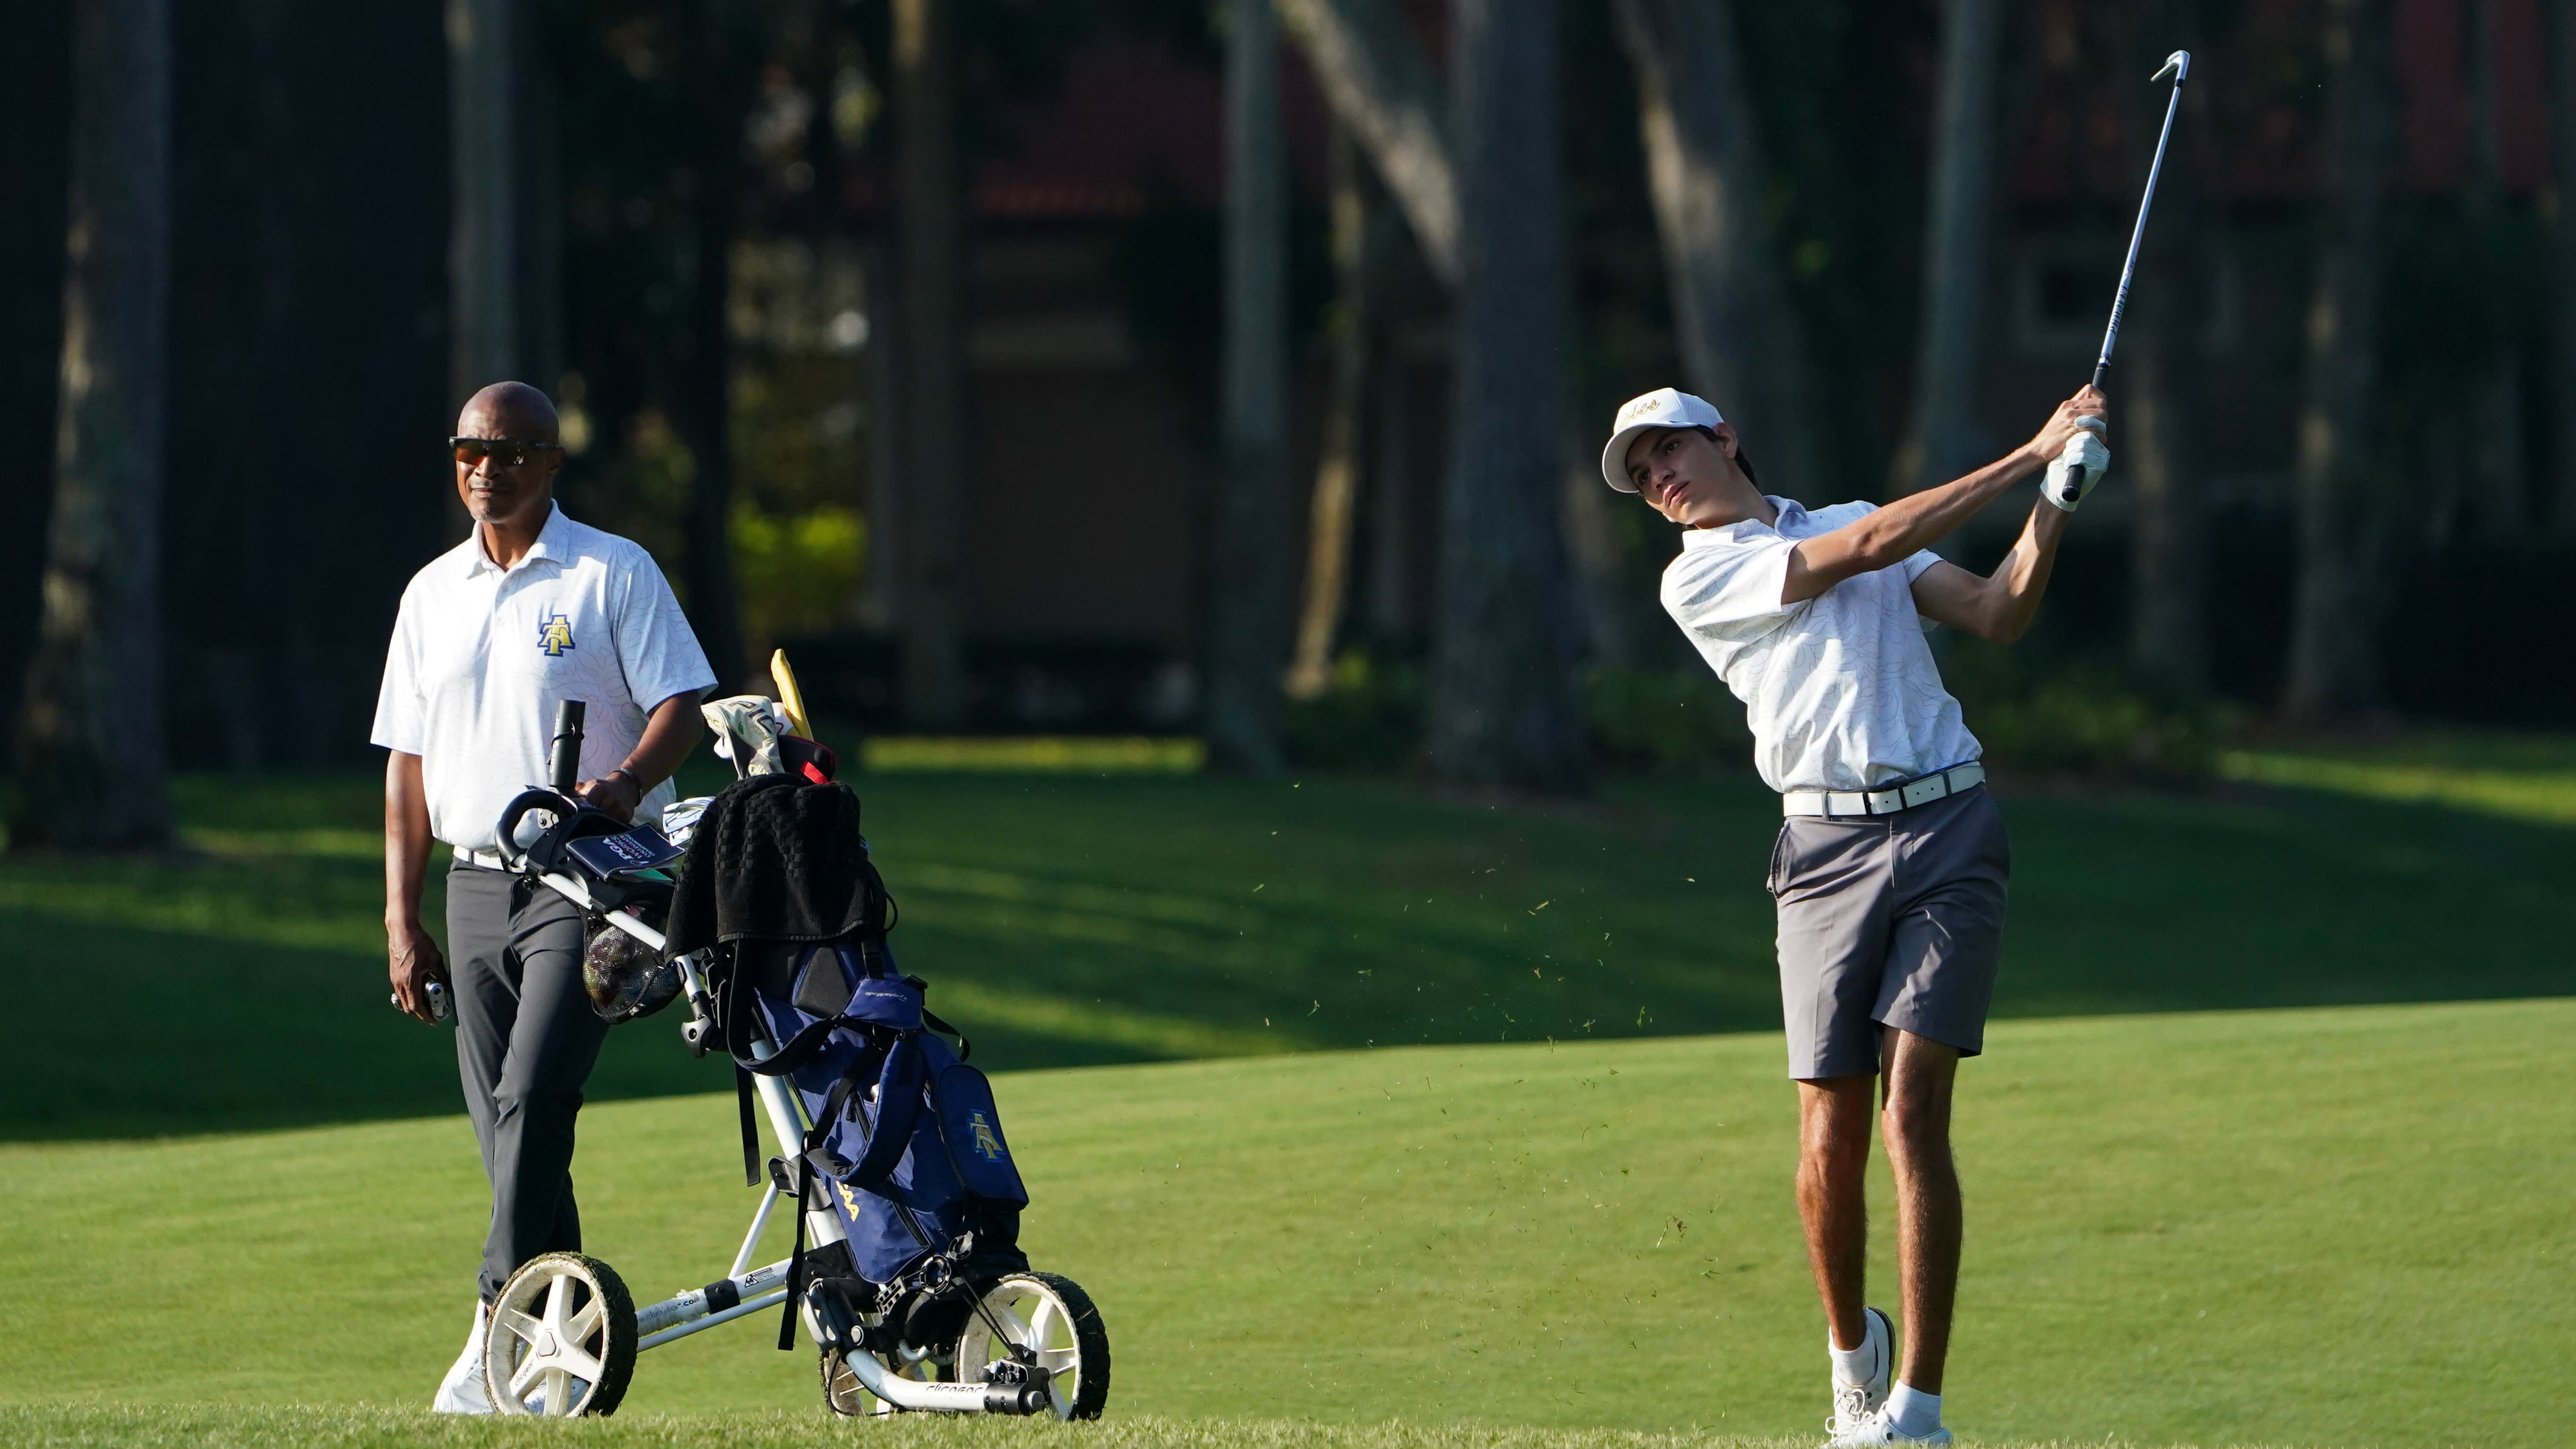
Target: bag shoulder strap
{"type": "Point", "coordinates": [931, 1019]}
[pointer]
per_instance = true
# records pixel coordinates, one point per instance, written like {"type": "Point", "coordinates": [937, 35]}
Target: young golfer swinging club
{"type": "Point", "coordinates": [1890, 867]}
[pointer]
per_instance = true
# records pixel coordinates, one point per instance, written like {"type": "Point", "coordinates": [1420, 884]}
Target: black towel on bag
{"type": "Point", "coordinates": [776, 858]}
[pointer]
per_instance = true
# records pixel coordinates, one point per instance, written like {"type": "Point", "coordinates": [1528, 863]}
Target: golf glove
{"type": "Point", "coordinates": [2079, 467]}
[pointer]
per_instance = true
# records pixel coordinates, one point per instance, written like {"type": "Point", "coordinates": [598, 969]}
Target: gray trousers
{"type": "Point", "coordinates": [525, 1042]}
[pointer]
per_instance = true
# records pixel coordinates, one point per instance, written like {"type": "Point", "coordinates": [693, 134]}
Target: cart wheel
{"type": "Point", "coordinates": [562, 1340]}
{"type": "Point", "coordinates": [1056, 1321]}
{"type": "Point", "coordinates": [843, 1394]}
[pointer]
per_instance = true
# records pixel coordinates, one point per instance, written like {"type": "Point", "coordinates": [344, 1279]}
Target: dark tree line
{"type": "Point", "coordinates": [262, 247]}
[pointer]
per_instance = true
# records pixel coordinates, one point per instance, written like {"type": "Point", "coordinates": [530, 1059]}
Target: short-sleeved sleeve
{"type": "Point", "coordinates": [1723, 588]}
{"type": "Point", "coordinates": [1917, 564]}
{"type": "Point", "coordinates": [655, 646]}
{"type": "Point", "coordinates": [400, 723]}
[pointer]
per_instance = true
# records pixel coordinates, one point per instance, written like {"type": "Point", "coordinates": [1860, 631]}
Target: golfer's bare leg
{"type": "Point", "coordinates": [1833, 1162]}
{"type": "Point", "coordinates": [1919, 1072]}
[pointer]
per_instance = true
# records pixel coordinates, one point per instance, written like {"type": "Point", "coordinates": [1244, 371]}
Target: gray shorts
{"type": "Point", "coordinates": [1889, 920]}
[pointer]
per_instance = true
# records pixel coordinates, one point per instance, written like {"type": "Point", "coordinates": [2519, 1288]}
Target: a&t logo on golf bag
{"type": "Point", "coordinates": [987, 1146]}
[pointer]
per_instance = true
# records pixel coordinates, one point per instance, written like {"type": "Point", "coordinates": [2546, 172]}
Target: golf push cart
{"type": "Point", "coordinates": [906, 1271]}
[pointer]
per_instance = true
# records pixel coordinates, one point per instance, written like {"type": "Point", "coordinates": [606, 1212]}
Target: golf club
{"type": "Point", "coordinates": [2178, 65]}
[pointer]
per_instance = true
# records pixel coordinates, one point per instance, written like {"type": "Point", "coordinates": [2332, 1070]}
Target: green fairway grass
{"type": "Point", "coordinates": [1378, 1116]}
{"type": "Point", "coordinates": [1069, 920]}
{"type": "Point", "coordinates": [2514, 777]}
{"type": "Point", "coordinates": [2346, 1226]}
{"type": "Point", "coordinates": [206, 1427]}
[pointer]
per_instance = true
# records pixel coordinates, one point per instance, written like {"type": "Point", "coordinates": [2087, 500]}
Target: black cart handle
{"type": "Point", "coordinates": [558, 805]}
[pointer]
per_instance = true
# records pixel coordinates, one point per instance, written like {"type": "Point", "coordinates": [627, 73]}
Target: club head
{"type": "Point", "coordinates": [2177, 65]}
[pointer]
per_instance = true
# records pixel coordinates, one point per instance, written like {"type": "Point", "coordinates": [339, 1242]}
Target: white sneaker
{"type": "Point", "coordinates": [461, 1392]}
{"type": "Point", "coordinates": [1855, 1403]}
{"type": "Point", "coordinates": [1877, 1429]}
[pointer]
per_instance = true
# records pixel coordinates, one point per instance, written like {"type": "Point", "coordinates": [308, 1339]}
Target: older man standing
{"type": "Point", "coordinates": [531, 609]}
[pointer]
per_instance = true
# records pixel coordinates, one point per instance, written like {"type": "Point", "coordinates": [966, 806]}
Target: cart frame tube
{"type": "Point", "coordinates": [700, 1309]}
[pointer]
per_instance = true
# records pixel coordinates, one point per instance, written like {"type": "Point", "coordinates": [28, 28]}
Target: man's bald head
{"type": "Point", "coordinates": [510, 410]}
{"type": "Point", "coordinates": [506, 457]}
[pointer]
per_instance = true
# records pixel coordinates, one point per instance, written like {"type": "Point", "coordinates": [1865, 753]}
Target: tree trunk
{"type": "Point", "coordinates": [1503, 700]}
{"type": "Point", "coordinates": [1380, 85]}
{"type": "Point", "coordinates": [706, 408]}
{"type": "Point", "coordinates": [540, 303]}
{"type": "Point", "coordinates": [92, 768]}
{"type": "Point", "coordinates": [1944, 437]}
{"type": "Point", "coordinates": [1592, 541]}
{"type": "Point", "coordinates": [37, 114]}
{"type": "Point", "coordinates": [2334, 666]}
{"type": "Point", "coordinates": [705, 373]}
{"type": "Point", "coordinates": [484, 92]}
{"type": "Point", "coordinates": [1739, 332]}
{"type": "Point", "coordinates": [1357, 230]}
{"type": "Point", "coordinates": [2165, 360]}
{"type": "Point", "coordinates": [2562, 236]}
{"type": "Point", "coordinates": [2502, 491]}
{"type": "Point", "coordinates": [932, 242]}
{"type": "Point", "coordinates": [1393, 624]}
{"type": "Point", "coordinates": [1248, 577]}
{"type": "Point", "coordinates": [881, 606]}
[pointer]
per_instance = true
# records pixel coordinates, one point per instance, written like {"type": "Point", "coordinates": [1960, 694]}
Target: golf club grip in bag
{"type": "Point", "coordinates": [563, 759]}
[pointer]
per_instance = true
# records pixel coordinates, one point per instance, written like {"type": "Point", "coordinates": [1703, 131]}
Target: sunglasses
{"type": "Point", "coordinates": [504, 452]}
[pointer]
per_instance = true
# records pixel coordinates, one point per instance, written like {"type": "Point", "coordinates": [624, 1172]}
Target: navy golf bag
{"type": "Point", "coordinates": [906, 1144]}
{"type": "Point", "coordinates": [906, 1200]}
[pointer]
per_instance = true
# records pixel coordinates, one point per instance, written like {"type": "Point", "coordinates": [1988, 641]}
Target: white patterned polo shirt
{"type": "Point", "coordinates": [1841, 690]}
{"type": "Point", "coordinates": [481, 656]}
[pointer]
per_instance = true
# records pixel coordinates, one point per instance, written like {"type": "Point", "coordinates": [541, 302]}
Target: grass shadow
{"type": "Point", "coordinates": [1079, 921]}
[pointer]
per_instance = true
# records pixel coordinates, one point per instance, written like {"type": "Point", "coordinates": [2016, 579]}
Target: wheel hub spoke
{"type": "Point", "coordinates": [520, 1325]}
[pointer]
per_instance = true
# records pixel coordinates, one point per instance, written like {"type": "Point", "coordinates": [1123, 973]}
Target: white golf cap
{"type": "Point", "coordinates": [1665, 407]}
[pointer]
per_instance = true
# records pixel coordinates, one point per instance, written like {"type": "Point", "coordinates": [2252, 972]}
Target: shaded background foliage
{"type": "Point", "coordinates": [712, 181]}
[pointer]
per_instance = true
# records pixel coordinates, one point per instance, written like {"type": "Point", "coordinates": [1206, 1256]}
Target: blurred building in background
{"type": "Point", "coordinates": [715, 191]}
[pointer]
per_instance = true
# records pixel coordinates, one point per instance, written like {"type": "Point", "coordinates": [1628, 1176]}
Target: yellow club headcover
{"type": "Point", "coordinates": [790, 697]}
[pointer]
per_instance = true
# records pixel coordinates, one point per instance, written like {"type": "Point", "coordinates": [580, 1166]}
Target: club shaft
{"type": "Point", "coordinates": [2129, 268]}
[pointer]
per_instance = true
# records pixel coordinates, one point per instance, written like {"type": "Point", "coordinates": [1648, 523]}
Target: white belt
{"type": "Point", "coordinates": [1903, 795]}
{"type": "Point", "coordinates": [487, 859]}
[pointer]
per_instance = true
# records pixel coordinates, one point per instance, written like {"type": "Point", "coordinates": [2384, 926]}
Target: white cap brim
{"type": "Point", "coordinates": [1614, 458]}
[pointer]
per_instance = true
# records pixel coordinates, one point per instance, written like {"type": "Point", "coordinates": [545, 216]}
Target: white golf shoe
{"type": "Point", "coordinates": [1855, 1403]}
{"type": "Point", "coordinates": [461, 1392]}
{"type": "Point", "coordinates": [1877, 1429]}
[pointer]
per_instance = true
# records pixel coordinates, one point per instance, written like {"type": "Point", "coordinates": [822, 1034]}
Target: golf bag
{"type": "Point", "coordinates": [906, 1146]}
{"type": "Point", "coordinates": [889, 1145]}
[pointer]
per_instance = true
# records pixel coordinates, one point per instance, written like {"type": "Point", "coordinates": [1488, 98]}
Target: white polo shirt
{"type": "Point", "coordinates": [481, 656]}
{"type": "Point", "coordinates": [1841, 690]}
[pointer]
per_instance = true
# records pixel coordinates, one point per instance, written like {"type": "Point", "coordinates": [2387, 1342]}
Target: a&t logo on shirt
{"type": "Point", "coordinates": [554, 635]}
